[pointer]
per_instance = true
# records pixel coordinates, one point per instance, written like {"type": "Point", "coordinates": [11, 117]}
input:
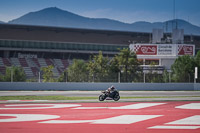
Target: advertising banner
{"type": "Point", "coordinates": [185, 49]}
{"type": "Point", "coordinates": [163, 49]}
{"type": "Point", "coordinates": [145, 49]}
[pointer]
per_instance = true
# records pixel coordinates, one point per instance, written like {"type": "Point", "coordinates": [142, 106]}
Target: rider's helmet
{"type": "Point", "coordinates": [112, 87]}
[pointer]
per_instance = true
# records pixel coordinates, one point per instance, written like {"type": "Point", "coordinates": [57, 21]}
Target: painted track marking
{"type": "Point", "coordinates": [174, 127]}
{"type": "Point", "coordinates": [132, 106]}
{"type": "Point", "coordinates": [189, 106]}
{"type": "Point", "coordinates": [27, 117]}
{"type": "Point", "coordinates": [123, 119]}
{"type": "Point", "coordinates": [100, 117]}
{"type": "Point", "coordinates": [49, 106]}
{"type": "Point", "coordinates": [193, 120]}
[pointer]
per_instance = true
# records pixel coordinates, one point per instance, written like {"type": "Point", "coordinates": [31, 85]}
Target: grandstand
{"type": "Point", "coordinates": [32, 66]}
{"type": "Point", "coordinates": [33, 47]}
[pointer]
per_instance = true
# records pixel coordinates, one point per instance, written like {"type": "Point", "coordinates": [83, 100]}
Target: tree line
{"type": "Point", "coordinates": [123, 67]}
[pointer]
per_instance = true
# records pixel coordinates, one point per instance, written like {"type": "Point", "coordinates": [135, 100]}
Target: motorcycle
{"type": "Point", "coordinates": [109, 96]}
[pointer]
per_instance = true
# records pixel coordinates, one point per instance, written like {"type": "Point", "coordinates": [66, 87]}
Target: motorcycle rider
{"type": "Point", "coordinates": [110, 94]}
{"type": "Point", "coordinates": [111, 91]}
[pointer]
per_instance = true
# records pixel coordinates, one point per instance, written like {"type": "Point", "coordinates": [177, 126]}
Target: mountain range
{"type": "Point", "coordinates": [60, 18]}
{"type": "Point", "coordinates": [1, 22]}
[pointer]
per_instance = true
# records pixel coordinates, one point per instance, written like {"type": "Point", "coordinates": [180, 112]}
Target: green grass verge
{"type": "Point", "coordinates": [44, 98]}
{"type": "Point", "coordinates": [77, 98]}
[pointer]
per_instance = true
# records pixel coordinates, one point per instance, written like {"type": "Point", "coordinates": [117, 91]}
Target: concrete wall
{"type": "Point", "coordinates": [197, 86]}
{"type": "Point", "coordinates": [6, 86]}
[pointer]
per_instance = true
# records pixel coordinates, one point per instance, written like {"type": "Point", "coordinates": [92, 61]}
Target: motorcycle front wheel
{"type": "Point", "coordinates": [116, 98]}
{"type": "Point", "coordinates": [101, 98]}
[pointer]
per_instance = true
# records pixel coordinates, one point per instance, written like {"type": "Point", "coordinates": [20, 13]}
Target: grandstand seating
{"type": "Point", "coordinates": [55, 72]}
{"type": "Point", "coordinates": [15, 61]}
{"type": "Point", "coordinates": [65, 63]}
{"type": "Point", "coordinates": [32, 66]}
{"type": "Point", "coordinates": [35, 71]}
{"type": "Point", "coordinates": [2, 70]}
{"type": "Point", "coordinates": [30, 62]}
{"type": "Point", "coordinates": [28, 71]}
{"type": "Point", "coordinates": [1, 62]}
{"type": "Point", "coordinates": [35, 60]}
{"type": "Point", "coordinates": [49, 62]}
{"type": "Point", "coordinates": [6, 62]}
{"type": "Point", "coordinates": [42, 62]}
{"type": "Point", "coordinates": [60, 70]}
{"type": "Point", "coordinates": [23, 62]}
{"type": "Point", "coordinates": [59, 63]}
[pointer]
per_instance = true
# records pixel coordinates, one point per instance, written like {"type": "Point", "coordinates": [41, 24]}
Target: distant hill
{"type": "Point", "coordinates": [1, 22]}
{"type": "Point", "coordinates": [56, 17]}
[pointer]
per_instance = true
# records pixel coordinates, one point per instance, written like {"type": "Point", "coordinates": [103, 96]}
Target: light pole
{"type": "Point", "coordinates": [196, 74]}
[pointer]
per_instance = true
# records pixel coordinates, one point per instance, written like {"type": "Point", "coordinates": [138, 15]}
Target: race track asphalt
{"type": "Point", "coordinates": [119, 117]}
{"type": "Point", "coordinates": [138, 95]}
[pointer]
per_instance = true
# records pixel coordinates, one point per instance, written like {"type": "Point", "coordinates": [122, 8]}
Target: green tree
{"type": "Point", "coordinates": [166, 76]}
{"type": "Point", "coordinates": [153, 76]}
{"type": "Point", "coordinates": [1, 78]}
{"type": "Point", "coordinates": [156, 78]}
{"type": "Point", "coordinates": [98, 67]}
{"type": "Point", "coordinates": [127, 62]}
{"type": "Point", "coordinates": [47, 74]}
{"type": "Point", "coordinates": [197, 59]}
{"type": "Point", "coordinates": [77, 71]}
{"type": "Point", "coordinates": [14, 73]}
{"type": "Point", "coordinates": [183, 69]}
{"type": "Point", "coordinates": [63, 77]}
{"type": "Point", "coordinates": [114, 70]}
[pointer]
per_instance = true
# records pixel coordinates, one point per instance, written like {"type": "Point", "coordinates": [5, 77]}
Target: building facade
{"type": "Point", "coordinates": [33, 47]}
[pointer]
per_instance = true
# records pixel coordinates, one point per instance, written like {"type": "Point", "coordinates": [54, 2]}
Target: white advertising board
{"type": "Point", "coordinates": [166, 49]}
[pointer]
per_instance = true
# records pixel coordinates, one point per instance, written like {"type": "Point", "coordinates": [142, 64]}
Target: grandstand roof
{"type": "Point", "coordinates": [42, 33]}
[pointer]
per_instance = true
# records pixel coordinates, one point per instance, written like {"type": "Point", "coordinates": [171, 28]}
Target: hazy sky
{"type": "Point", "coordinates": [128, 11]}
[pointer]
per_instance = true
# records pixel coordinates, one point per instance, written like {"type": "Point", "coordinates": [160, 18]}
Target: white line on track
{"type": "Point", "coordinates": [122, 119]}
{"type": "Point", "coordinates": [193, 120]}
{"type": "Point", "coordinates": [131, 106]}
{"type": "Point", "coordinates": [174, 127]}
{"type": "Point", "coordinates": [27, 117]}
{"type": "Point", "coordinates": [189, 106]}
{"type": "Point", "coordinates": [41, 106]}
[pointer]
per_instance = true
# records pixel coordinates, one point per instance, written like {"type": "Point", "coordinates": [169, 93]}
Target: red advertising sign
{"type": "Point", "coordinates": [185, 50]}
{"type": "Point", "coordinates": [145, 49]}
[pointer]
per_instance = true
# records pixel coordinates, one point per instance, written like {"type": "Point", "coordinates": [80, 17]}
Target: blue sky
{"type": "Point", "coordinates": [127, 11]}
